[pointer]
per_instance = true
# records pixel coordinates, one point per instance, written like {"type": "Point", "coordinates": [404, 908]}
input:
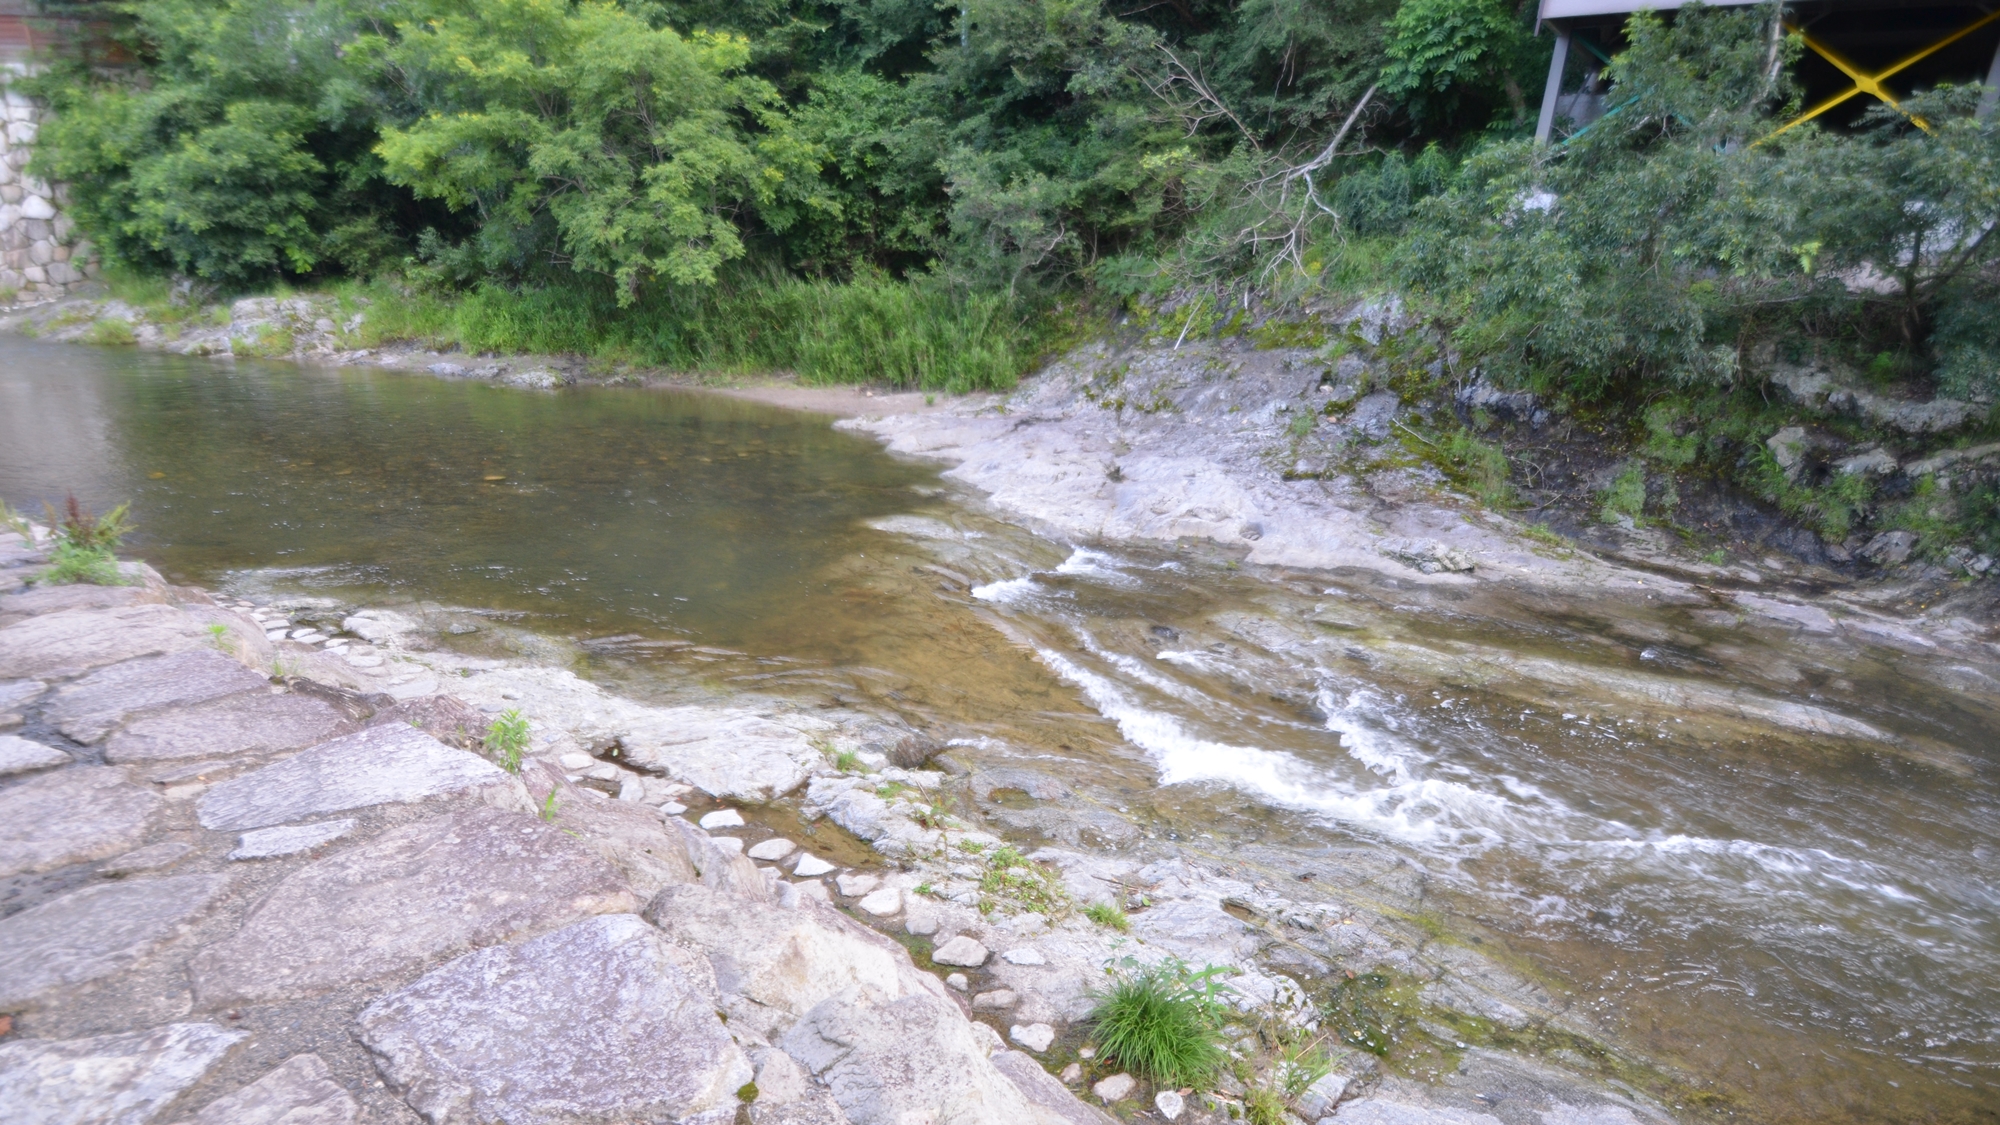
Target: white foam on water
{"type": "Point", "coordinates": [1005, 591]}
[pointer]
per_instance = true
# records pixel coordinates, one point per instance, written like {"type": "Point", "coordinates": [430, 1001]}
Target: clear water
{"type": "Point", "coordinates": [1802, 928]}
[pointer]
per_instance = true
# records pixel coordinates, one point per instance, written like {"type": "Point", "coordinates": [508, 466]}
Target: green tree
{"type": "Point", "coordinates": [1447, 57]}
{"type": "Point", "coordinates": [581, 132]}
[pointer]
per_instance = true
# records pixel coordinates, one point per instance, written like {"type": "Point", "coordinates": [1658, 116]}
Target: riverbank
{"type": "Point", "coordinates": [1716, 663]}
{"type": "Point", "coordinates": [1289, 456]}
{"type": "Point", "coordinates": [212, 910]}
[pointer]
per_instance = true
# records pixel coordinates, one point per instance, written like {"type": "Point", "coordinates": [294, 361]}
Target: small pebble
{"type": "Point", "coordinates": [1035, 1037]}
{"type": "Point", "coordinates": [998, 1000]}
{"type": "Point", "coordinates": [1027, 955]}
{"type": "Point", "coordinates": [957, 982]}
{"type": "Point", "coordinates": [729, 844]}
{"type": "Point", "coordinates": [1114, 1088]}
{"type": "Point", "coordinates": [772, 849]}
{"type": "Point", "coordinates": [882, 903]}
{"type": "Point", "coordinates": [673, 808]}
{"type": "Point", "coordinates": [811, 866]}
{"type": "Point", "coordinates": [1072, 1074]}
{"type": "Point", "coordinates": [857, 883]}
{"type": "Point", "coordinates": [1169, 1104]}
{"type": "Point", "coordinates": [722, 818]}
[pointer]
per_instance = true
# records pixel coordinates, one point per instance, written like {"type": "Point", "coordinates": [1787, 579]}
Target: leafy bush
{"type": "Point", "coordinates": [507, 739]}
{"type": "Point", "coordinates": [1625, 497]}
{"type": "Point", "coordinates": [1162, 1021]}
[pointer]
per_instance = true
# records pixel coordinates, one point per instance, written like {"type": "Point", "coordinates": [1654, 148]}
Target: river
{"type": "Point", "coordinates": [1801, 927]}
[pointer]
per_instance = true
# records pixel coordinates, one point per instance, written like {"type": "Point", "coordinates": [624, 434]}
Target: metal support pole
{"type": "Point", "coordinates": [1547, 122]}
{"type": "Point", "coordinates": [1992, 94]}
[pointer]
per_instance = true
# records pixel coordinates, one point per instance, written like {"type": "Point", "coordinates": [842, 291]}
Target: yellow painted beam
{"type": "Point", "coordinates": [1871, 84]}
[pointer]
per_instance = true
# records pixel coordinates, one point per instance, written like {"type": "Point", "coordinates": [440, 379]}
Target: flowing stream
{"type": "Point", "coordinates": [1803, 927]}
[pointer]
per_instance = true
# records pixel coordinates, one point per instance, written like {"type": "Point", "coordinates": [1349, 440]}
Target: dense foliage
{"type": "Point", "coordinates": [664, 177]}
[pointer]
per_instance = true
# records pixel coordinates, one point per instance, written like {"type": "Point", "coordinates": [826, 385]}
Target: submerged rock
{"type": "Point", "coordinates": [119, 1079]}
{"type": "Point", "coordinates": [601, 1021]}
{"type": "Point", "coordinates": [94, 932]}
{"type": "Point", "coordinates": [417, 893]}
{"type": "Point", "coordinates": [71, 816]}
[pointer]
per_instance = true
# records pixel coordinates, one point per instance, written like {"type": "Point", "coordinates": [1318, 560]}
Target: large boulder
{"type": "Point", "coordinates": [92, 707]}
{"type": "Point", "coordinates": [775, 963]}
{"type": "Point", "coordinates": [94, 932]}
{"type": "Point", "coordinates": [72, 642]}
{"type": "Point", "coordinates": [417, 893]}
{"type": "Point", "coordinates": [895, 1061]}
{"type": "Point", "coordinates": [727, 753]}
{"type": "Point", "coordinates": [377, 766]}
{"type": "Point", "coordinates": [300, 1092]}
{"type": "Point", "coordinates": [71, 816]}
{"type": "Point", "coordinates": [601, 1021]}
{"type": "Point", "coordinates": [107, 1079]}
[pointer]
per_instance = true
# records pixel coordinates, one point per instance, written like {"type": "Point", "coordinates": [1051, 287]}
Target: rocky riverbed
{"type": "Point", "coordinates": [252, 873]}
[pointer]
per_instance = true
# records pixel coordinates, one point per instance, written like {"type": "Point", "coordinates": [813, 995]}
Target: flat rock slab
{"type": "Point", "coordinates": [94, 706]}
{"type": "Point", "coordinates": [150, 858]}
{"type": "Point", "coordinates": [300, 1092]}
{"type": "Point", "coordinates": [414, 894]}
{"type": "Point", "coordinates": [20, 755]}
{"type": "Point", "coordinates": [71, 816]}
{"type": "Point", "coordinates": [109, 1079]}
{"type": "Point", "coordinates": [602, 1021]}
{"type": "Point", "coordinates": [73, 642]}
{"type": "Point", "coordinates": [54, 599]}
{"type": "Point", "coordinates": [251, 722]}
{"type": "Point", "coordinates": [724, 752]}
{"type": "Point", "coordinates": [18, 693]}
{"type": "Point", "coordinates": [290, 839]}
{"type": "Point", "coordinates": [94, 932]}
{"type": "Point", "coordinates": [377, 766]}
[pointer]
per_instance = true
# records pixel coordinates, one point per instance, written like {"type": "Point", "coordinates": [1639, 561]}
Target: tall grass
{"type": "Point", "coordinates": [1163, 1021]}
{"type": "Point", "coordinates": [906, 334]}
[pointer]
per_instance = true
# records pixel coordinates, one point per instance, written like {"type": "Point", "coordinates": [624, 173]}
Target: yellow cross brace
{"type": "Point", "coordinates": [1871, 84]}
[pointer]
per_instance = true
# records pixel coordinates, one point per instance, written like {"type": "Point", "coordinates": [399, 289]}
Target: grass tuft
{"type": "Point", "coordinates": [1109, 915]}
{"type": "Point", "coordinates": [86, 546]}
{"type": "Point", "coordinates": [1163, 1022]}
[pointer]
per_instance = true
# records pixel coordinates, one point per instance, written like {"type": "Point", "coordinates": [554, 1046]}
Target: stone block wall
{"type": "Point", "coordinates": [41, 254]}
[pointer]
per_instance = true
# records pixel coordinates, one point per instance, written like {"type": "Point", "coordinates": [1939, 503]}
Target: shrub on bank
{"type": "Point", "coordinates": [1163, 1021]}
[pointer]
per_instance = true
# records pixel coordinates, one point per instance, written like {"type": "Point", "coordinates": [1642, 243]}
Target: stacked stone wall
{"type": "Point", "coordinates": [41, 254]}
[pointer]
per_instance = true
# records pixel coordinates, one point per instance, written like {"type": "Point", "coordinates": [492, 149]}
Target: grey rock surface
{"type": "Point", "coordinates": [911, 1059]}
{"type": "Point", "coordinates": [415, 894]}
{"type": "Point", "coordinates": [379, 765]}
{"type": "Point", "coordinates": [301, 1091]}
{"type": "Point", "coordinates": [1045, 1092]}
{"type": "Point", "coordinates": [289, 839]}
{"type": "Point", "coordinates": [94, 932]}
{"type": "Point", "coordinates": [601, 1021]}
{"type": "Point", "coordinates": [629, 836]}
{"type": "Point", "coordinates": [72, 642]}
{"type": "Point", "coordinates": [152, 857]}
{"type": "Point", "coordinates": [775, 963]}
{"type": "Point", "coordinates": [108, 1079]}
{"type": "Point", "coordinates": [21, 755]}
{"type": "Point", "coordinates": [71, 816]}
{"type": "Point", "coordinates": [961, 950]}
{"type": "Point", "coordinates": [252, 722]}
{"type": "Point", "coordinates": [724, 752]}
{"type": "Point", "coordinates": [92, 707]}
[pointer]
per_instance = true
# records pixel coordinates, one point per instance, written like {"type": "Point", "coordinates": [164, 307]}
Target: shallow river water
{"type": "Point", "coordinates": [1800, 927]}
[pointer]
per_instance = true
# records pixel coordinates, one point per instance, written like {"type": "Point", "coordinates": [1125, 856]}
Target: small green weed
{"type": "Point", "coordinates": [85, 546]}
{"type": "Point", "coordinates": [1626, 496]}
{"type": "Point", "coordinates": [218, 635]}
{"type": "Point", "coordinates": [1162, 1021]}
{"type": "Point", "coordinates": [847, 761]}
{"type": "Point", "coordinates": [1108, 915]}
{"type": "Point", "coordinates": [1264, 1106]}
{"type": "Point", "coordinates": [1302, 424]}
{"type": "Point", "coordinates": [507, 740]}
{"type": "Point", "coordinates": [549, 806]}
{"type": "Point", "coordinates": [1012, 878]}
{"type": "Point", "coordinates": [747, 1092]}
{"type": "Point", "coordinates": [1716, 557]}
